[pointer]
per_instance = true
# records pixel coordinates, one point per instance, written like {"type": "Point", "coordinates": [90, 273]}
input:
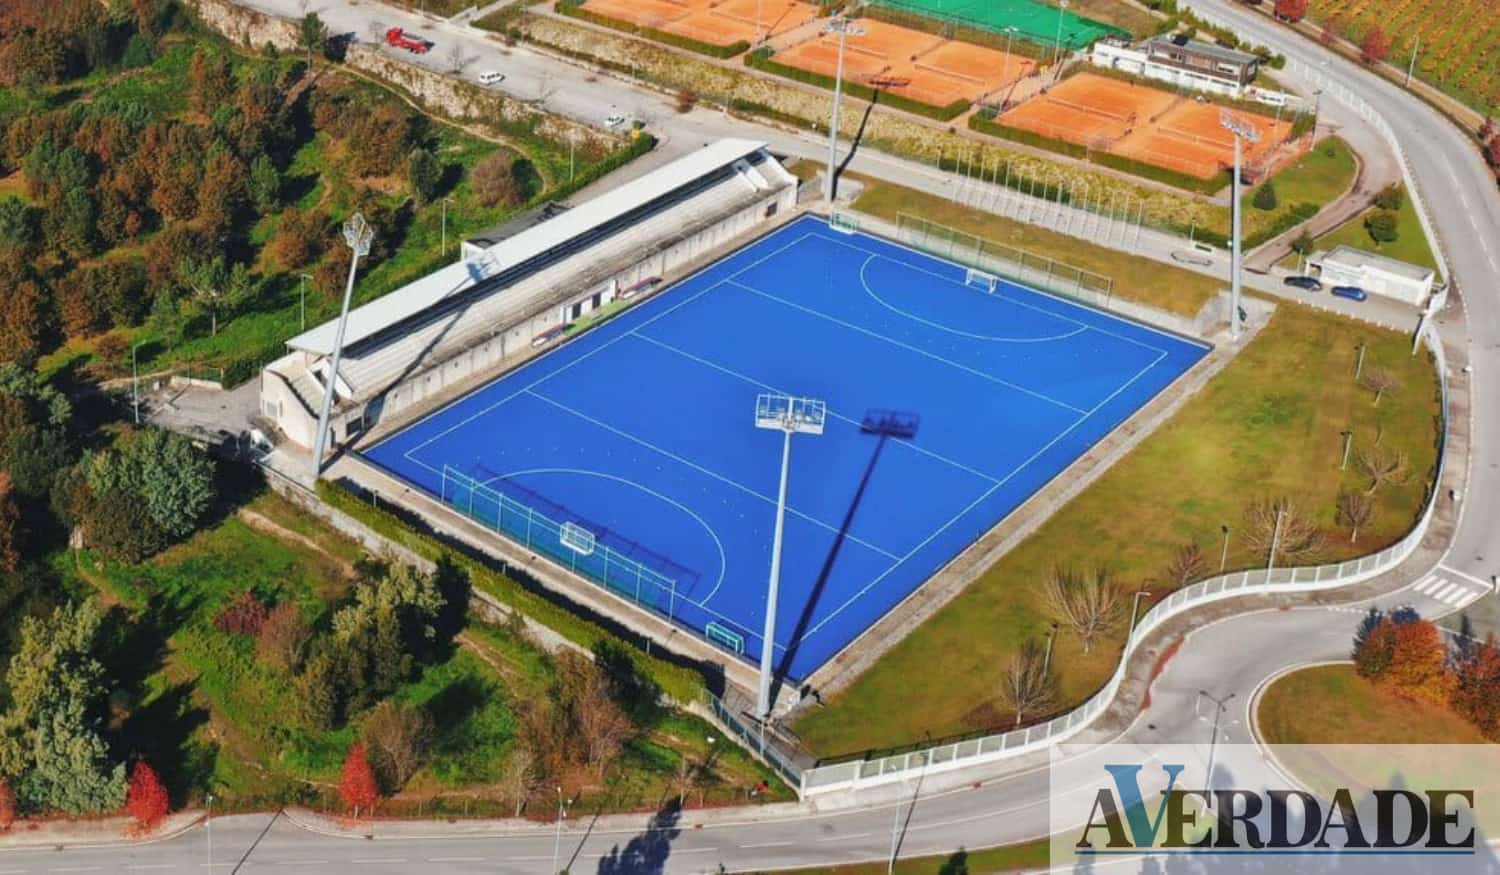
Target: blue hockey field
{"type": "Point", "coordinates": [640, 434]}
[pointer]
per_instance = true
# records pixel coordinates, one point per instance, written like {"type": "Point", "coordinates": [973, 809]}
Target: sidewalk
{"type": "Point", "coordinates": [92, 833]}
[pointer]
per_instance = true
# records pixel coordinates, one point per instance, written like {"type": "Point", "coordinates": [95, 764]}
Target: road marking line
{"type": "Point", "coordinates": [152, 866]}
{"type": "Point", "coordinates": [373, 860]}
{"type": "Point", "coordinates": [1460, 593]}
{"type": "Point", "coordinates": [455, 859]}
{"type": "Point", "coordinates": [1429, 583]}
{"type": "Point", "coordinates": [1471, 597]}
{"type": "Point", "coordinates": [768, 845]}
{"type": "Point", "coordinates": [842, 838]}
{"type": "Point", "coordinates": [1469, 577]}
{"type": "Point", "coordinates": [1442, 595]}
{"type": "Point", "coordinates": [77, 869]}
{"type": "Point", "coordinates": [302, 863]}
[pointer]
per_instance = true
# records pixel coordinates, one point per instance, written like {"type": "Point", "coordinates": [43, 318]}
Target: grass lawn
{"type": "Point", "coordinates": [1139, 279]}
{"type": "Point", "coordinates": [1319, 177]}
{"type": "Point", "coordinates": [1267, 426]}
{"type": "Point", "coordinates": [199, 704]}
{"type": "Point", "coordinates": [1410, 244]}
{"type": "Point", "coordinates": [1351, 710]}
{"type": "Point", "coordinates": [1028, 857]}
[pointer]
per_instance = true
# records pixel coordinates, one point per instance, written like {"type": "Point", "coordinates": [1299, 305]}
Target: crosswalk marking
{"type": "Point", "coordinates": [1427, 585]}
{"type": "Point", "coordinates": [1442, 594]}
{"type": "Point", "coordinates": [1454, 594]}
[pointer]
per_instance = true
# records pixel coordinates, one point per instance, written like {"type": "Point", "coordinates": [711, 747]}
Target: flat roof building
{"type": "Point", "coordinates": [1375, 273]}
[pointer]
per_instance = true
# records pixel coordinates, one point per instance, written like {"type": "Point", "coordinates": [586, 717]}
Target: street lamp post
{"type": "Point", "coordinates": [302, 279]}
{"type": "Point", "coordinates": [358, 236]}
{"type": "Point", "coordinates": [844, 28]}
{"type": "Point", "coordinates": [1242, 130]}
{"type": "Point", "coordinates": [1220, 706]}
{"type": "Point", "coordinates": [789, 416]}
{"type": "Point", "coordinates": [1135, 607]}
{"type": "Point", "coordinates": [1413, 63]}
{"type": "Point", "coordinates": [562, 813]}
{"type": "Point", "coordinates": [1224, 554]}
{"type": "Point", "coordinates": [208, 824]}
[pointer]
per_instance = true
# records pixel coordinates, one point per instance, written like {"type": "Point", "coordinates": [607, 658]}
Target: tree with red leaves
{"type": "Point", "coordinates": [1291, 10]}
{"type": "Point", "coordinates": [7, 805]}
{"type": "Point", "coordinates": [1375, 46]}
{"type": "Point", "coordinates": [146, 799]}
{"type": "Point", "coordinates": [1476, 688]}
{"type": "Point", "coordinates": [1419, 662]}
{"type": "Point", "coordinates": [357, 786]}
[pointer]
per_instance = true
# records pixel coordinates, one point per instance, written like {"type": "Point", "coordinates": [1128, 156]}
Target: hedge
{"type": "Point", "coordinates": [576, 10]}
{"type": "Point", "coordinates": [1103, 159]}
{"type": "Point", "coordinates": [760, 60]}
{"type": "Point", "coordinates": [683, 680]}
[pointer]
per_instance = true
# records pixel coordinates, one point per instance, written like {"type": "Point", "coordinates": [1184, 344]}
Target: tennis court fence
{"type": "Point", "coordinates": [563, 542]}
{"type": "Point", "coordinates": [1010, 262]}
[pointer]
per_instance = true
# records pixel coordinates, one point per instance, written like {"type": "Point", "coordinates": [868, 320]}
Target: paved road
{"type": "Point", "coordinates": [1232, 656]}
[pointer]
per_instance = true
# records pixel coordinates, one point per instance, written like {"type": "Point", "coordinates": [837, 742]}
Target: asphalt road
{"type": "Point", "coordinates": [1232, 656]}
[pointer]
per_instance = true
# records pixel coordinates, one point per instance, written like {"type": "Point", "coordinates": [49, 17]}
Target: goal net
{"type": "Point", "coordinates": [843, 222]}
{"type": "Point", "coordinates": [978, 279]}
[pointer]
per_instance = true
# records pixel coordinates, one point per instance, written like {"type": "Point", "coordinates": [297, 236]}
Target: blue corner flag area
{"type": "Point", "coordinates": [631, 455]}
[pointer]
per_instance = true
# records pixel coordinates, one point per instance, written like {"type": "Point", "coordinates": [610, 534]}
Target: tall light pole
{"type": "Point", "coordinates": [789, 416]}
{"type": "Point", "coordinates": [357, 236]}
{"type": "Point", "coordinates": [1220, 706]}
{"type": "Point", "coordinates": [208, 824]}
{"type": "Point", "coordinates": [844, 28]}
{"type": "Point", "coordinates": [1062, 6]}
{"type": "Point", "coordinates": [562, 813]}
{"type": "Point", "coordinates": [1242, 130]}
{"type": "Point", "coordinates": [1010, 30]}
{"type": "Point", "coordinates": [1224, 554]}
{"type": "Point", "coordinates": [302, 279]}
{"type": "Point", "coordinates": [1135, 607]}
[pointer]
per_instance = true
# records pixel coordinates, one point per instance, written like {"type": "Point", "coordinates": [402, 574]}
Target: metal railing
{"type": "Point", "coordinates": [975, 751]}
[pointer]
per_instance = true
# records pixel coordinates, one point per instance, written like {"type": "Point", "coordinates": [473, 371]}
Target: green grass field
{"type": "Point", "coordinates": [1319, 177]}
{"type": "Point", "coordinates": [1410, 244]}
{"type": "Point", "coordinates": [1267, 426]}
{"type": "Point", "coordinates": [1351, 710]}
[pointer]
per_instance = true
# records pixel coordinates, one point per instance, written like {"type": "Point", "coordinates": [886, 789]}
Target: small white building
{"type": "Point", "coordinates": [1376, 274]}
{"type": "Point", "coordinates": [501, 301]}
{"type": "Point", "coordinates": [1182, 62]}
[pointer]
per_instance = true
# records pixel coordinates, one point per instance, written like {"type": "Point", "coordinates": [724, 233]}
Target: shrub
{"type": "Point", "coordinates": [1375, 46]}
{"type": "Point", "coordinates": [1391, 197]}
{"type": "Point", "coordinates": [246, 615]}
{"type": "Point", "coordinates": [283, 637]}
{"type": "Point", "coordinates": [686, 100]}
{"type": "Point", "coordinates": [1381, 225]}
{"type": "Point", "coordinates": [1265, 197]}
{"type": "Point", "coordinates": [145, 798]}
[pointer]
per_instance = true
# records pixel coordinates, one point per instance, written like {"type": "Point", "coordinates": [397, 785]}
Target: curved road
{"type": "Point", "coordinates": [1231, 656]}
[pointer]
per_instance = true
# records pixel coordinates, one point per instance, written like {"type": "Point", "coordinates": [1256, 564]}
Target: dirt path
{"type": "Point", "coordinates": [261, 523]}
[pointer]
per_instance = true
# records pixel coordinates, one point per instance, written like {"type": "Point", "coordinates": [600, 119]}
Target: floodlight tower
{"type": "Point", "coordinates": [357, 236]}
{"type": "Point", "coordinates": [789, 416]}
{"type": "Point", "coordinates": [845, 29]}
{"type": "Point", "coordinates": [1242, 130]}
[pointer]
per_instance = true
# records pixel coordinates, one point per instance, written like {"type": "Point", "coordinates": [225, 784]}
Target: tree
{"type": "Point", "coordinates": [1295, 534]}
{"type": "Point", "coordinates": [686, 100]}
{"type": "Point", "coordinates": [518, 783]}
{"type": "Point", "coordinates": [1291, 10]}
{"type": "Point", "coordinates": [1384, 467]}
{"type": "Point", "coordinates": [1328, 34]}
{"type": "Point", "coordinates": [1029, 685]}
{"type": "Point", "coordinates": [222, 191]}
{"type": "Point", "coordinates": [27, 327]}
{"type": "Point", "coordinates": [1355, 511]}
{"type": "Point", "coordinates": [493, 181]}
{"type": "Point", "coordinates": [1265, 196]}
{"type": "Point", "coordinates": [170, 477]}
{"type": "Point", "coordinates": [312, 34]}
{"type": "Point", "coordinates": [385, 631]}
{"type": "Point", "coordinates": [1089, 604]}
{"type": "Point", "coordinates": [1374, 644]}
{"type": "Point", "coordinates": [146, 799]}
{"type": "Point", "coordinates": [318, 692]}
{"type": "Point", "coordinates": [18, 225]}
{"type": "Point", "coordinates": [210, 80]}
{"type": "Point", "coordinates": [423, 174]}
{"type": "Point", "coordinates": [299, 238]}
{"type": "Point", "coordinates": [10, 526]}
{"type": "Point", "coordinates": [1303, 243]}
{"type": "Point", "coordinates": [357, 787]}
{"type": "Point", "coordinates": [8, 805]}
{"type": "Point", "coordinates": [398, 737]}
{"type": "Point", "coordinates": [1391, 197]}
{"type": "Point", "coordinates": [1476, 691]}
{"type": "Point", "coordinates": [1382, 381]}
{"type": "Point", "coordinates": [1187, 564]}
{"type": "Point", "coordinates": [265, 184]}
{"type": "Point", "coordinates": [1419, 662]}
{"type": "Point", "coordinates": [283, 638]}
{"type": "Point", "coordinates": [1375, 46]}
{"type": "Point", "coordinates": [1383, 226]}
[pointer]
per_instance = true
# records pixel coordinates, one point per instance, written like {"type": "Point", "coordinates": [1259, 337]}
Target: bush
{"type": "Point", "coordinates": [246, 615]}
{"type": "Point", "coordinates": [1391, 197]}
{"type": "Point", "coordinates": [1381, 225]}
{"type": "Point", "coordinates": [1265, 197]}
{"type": "Point", "coordinates": [1304, 243]}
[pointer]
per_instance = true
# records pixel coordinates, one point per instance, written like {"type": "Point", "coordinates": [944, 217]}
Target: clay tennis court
{"type": "Point", "coordinates": [716, 22]}
{"type": "Point", "coordinates": [913, 64]}
{"type": "Point", "coordinates": [1137, 121]}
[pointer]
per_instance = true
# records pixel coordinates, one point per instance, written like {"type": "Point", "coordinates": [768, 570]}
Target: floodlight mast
{"type": "Point", "coordinates": [790, 416]}
{"type": "Point", "coordinates": [357, 236]}
{"type": "Point", "coordinates": [845, 29]}
{"type": "Point", "coordinates": [1242, 130]}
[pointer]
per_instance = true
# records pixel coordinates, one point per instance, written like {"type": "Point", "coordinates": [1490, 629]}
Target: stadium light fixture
{"type": "Point", "coordinates": [1242, 130]}
{"type": "Point", "coordinates": [845, 29]}
{"type": "Point", "coordinates": [790, 416]}
{"type": "Point", "coordinates": [357, 236]}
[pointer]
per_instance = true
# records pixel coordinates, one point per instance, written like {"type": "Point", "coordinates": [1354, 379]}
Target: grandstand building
{"type": "Point", "coordinates": [504, 299]}
{"type": "Point", "coordinates": [1182, 62]}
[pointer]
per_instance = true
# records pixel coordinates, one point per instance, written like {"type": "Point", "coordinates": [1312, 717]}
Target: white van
{"type": "Point", "coordinates": [490, 77]}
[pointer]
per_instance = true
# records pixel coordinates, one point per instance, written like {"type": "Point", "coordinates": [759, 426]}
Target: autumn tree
{"type": "Point", "coordinates": [1418, 666]}
{"type": "Point", "coordinates": [246, 615]}
{"type": "Point", "coordinates": [283, 637]}
{"type": "Point", "coordinates": [10, 526]}
{"type": "Point", "coordinates": [27, 323]}
{"type": "Point", "coordinates": [398, 737]}
{"type": "Point", "coordinates": [1476, 689]}
{"type": "Point", "coordinates": [299, 238]}
{"type": "Point", "coordinates": [357, 786]}
{"type": "Point", "coordinates": [210, 80]}
{"type": "Point", "coordinates": [221, 193]}
{"type": "Point", "coordinates": [1090, 604]}
{"type": "Point", "coordinates": [1355, 510]}
{"type": "Point", "coordinates": [493, 181]}
{"type": "Point", "coordinates": [1375, 46]}
{"type": "Point", "coordinates": [1374, 644]}
{"type": "Point", "coordinates": [1279, 521]}
{"type": "Point", "coordinates": [520, 780]}
{"type": "Point", "coordinates": [1291, 10]}
{"type": "Point", "coordinates": [146, 799]}
{"type": "Point", "coordinates": [8, 806]}
{"type": "Point", "coordinates": [1028, 686]}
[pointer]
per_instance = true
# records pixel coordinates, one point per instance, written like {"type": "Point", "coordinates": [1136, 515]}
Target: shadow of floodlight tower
{"type": "Point", "coordinates": [1242, 130]}
{"type": "Point", "coordinates": [357, 236]}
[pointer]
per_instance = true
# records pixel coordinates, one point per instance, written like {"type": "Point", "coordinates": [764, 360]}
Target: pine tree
{"type": "Point", "coordinates": [146, 799]}
{"type": "Point", "coordinates": [1265, 196]}
{"type": "Point", "coordinates": [357, 785]}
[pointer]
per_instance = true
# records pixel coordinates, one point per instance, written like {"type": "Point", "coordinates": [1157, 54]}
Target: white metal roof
{"type": "Point", "coordinates": [416, 297]}
{"type": "Point", "coordinates": [1350, 256]}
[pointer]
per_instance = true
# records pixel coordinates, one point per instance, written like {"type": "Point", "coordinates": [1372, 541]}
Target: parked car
{"type": "Point", "coordinates": [1191, 258]}
{"type": "Point", "coordinates": [490, 77]}
{"type": "Point", "coordinates": [1353, 293]}
{"type": "Point", "coordinates": [614, 120]}
{"type": "Point", "coordinates": [1304, 282]}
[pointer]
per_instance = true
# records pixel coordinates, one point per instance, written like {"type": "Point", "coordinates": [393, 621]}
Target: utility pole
{"type": "Point", "coordinates": [208, 825]}
{"type": "Point", "coordinates": [357, 236]}
{"type": "Point", "coordinates": [1413, 63]}
{"type": "Point", "coordinates": [562, 813]}
{"type": "Point", "coordinates": [1242, 130]}
{"type": "Point", "coordinates": [844, 28]}
{"type": "Point", "coordinates": [789, 416]}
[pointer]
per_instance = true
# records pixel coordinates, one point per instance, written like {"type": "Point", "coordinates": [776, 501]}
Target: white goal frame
{"type": "Point", "coordinates": [576, 538]}
{"type": "Point", "coordinates": [981, 280]}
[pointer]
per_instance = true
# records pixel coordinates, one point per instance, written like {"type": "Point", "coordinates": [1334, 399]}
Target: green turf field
{"type": "Point", "coordinates": [1037, 22]}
